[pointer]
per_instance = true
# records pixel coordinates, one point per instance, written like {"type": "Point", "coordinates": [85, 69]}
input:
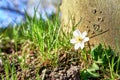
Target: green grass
{"type": "Point", "coordinates": [45, 39]}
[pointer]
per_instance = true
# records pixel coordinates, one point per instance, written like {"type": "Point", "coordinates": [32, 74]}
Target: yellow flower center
{"type": "Point", "coordinates": [79, 39]}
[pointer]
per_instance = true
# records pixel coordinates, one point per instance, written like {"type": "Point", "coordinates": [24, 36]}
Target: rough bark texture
{"type": "Point", "coordinates": [98, 17]}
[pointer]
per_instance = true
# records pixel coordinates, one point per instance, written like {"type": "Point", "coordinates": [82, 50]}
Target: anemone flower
{"type": "Point", "coordinates": [79, 39]}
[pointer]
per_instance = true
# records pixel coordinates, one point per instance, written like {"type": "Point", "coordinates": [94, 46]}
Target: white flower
{"type": "Point", "coordinates": [79, 39]}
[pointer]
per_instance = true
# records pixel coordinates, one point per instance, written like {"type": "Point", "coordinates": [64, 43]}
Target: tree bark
{"type": "Point", "coordinates": [101, 18]}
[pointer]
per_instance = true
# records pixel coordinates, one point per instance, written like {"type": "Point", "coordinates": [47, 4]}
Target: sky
{"type": "Point", "coordinates": [12, 11]}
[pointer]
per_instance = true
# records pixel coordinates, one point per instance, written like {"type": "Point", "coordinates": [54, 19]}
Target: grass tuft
{"type": "Point", "coordinates": [28, 50]}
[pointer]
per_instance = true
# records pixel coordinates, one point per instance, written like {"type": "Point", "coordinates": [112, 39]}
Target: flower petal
{"type": "Point", "coordinates": [86, 39]}
{"type": "Point", "coordinates": [73, 41]}
{"type": "Point", "coordinates": [0, 61]}
{"type": "Point", "coordinates": [77, 46]}
{"type": "Point", "coordinates": [84, 34]}
{"type": "Point", "coordinates": [82, 45]}
{"type": "Point", "coordinates": [76, 33]}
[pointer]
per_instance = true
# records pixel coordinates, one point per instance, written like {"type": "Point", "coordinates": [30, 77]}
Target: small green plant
{"type": "Point", "coordinates": [90, 72]}
{"type": "Point", "coordinates": [108, 59]}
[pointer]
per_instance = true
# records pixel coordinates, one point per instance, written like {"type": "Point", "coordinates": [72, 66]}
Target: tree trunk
{"type": "Point", "coordinates": [101, 18]}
